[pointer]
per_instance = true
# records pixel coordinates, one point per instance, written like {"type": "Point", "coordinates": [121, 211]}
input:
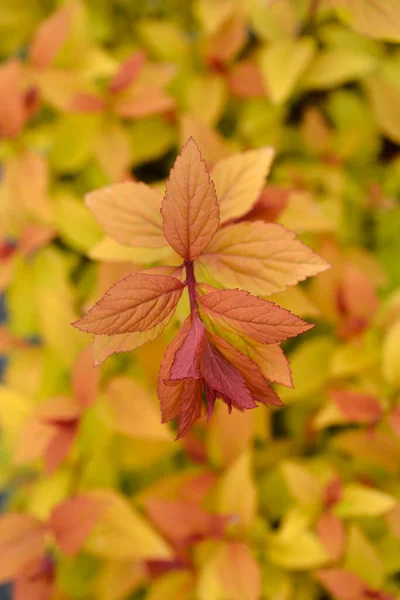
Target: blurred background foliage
{"type": "Point", "coordinates": [301, 503]}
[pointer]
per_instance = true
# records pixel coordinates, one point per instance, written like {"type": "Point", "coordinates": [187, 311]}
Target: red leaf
{"type": "Point", "coordinates": [127, 72]}
{"type": "Point", "coordinates": [185, 364]}
{"type": "Point", "coordinates": [60, 445]}
{"type": "Point", "coordinates": [270, 204]}
{"type": "Point", "coordinates": [190, 405]}
{"type": "Point", "coordinates": [357, 407]}
{"type": "Point", "coordinates": [74, 519]}
{"type": "Point", "coordinates": [223, 380]}
{"type": "Point", "coordinates": [252, 317]}
{"type": "Point", "coordinates": [190, 209]}
{"type": "Point", "coordinates": [254, 379]}
{"type": "Point", "coordinates": [137, 303]}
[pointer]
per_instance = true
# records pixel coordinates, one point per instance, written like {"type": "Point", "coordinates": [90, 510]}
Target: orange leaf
{"type": "Point", "coordinates": [272, 362]}
{"type": "Point", "coordinates": [105, 345]}
{"type": "Point", "coordinates": [181, 522]}
{"type": "Point", "coordinates": [251, 317]}
{"type": "Point", "coordinates": [263, 258]}
{"type": "Point", "coordinates": [240, 572]}
{"type": "Point", "coordinates": [239, 180]}
{"type": "Point", "coordinates": [331, 532]}
{"type": "Point", "coordinates": [342, 584]}
{"type": "Point", "coordinates": [49, 37]}
{"type": "Point", "coordinates": [130, 213]}
{"type": "Point", "coordinates": [12, 106]}
{"type": "Point", "coordinates": [137, 303]}
{"type": "Point", "coordinates": [85, 378]}
{"type": "Point", "coordinates": [34, 236]}
{"type": "Point", "coordinates": [146, 100]}
{"type": "Point", "coordinates": [87, 103]}
{"type": "Point", "coordinates": [127, 72]}
{"type": "Point", "coordinates": [21, 540]}
{"type": "Point", "coordinates": [35, 581]}
{"type": "Point", "coordinates": [60, 445]}
{"type": "Point", "coordinates": [356, 406]}
{"type": "Point", "coordinates": [190, 209]}
{"type": "Point", "coordinates": [73, 521]}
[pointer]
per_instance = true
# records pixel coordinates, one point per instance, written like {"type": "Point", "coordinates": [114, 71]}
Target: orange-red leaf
{"type": "Point", "coordinates": [127, 72]}
{"type": "Point", "coordinates": [252, 317]}
{"type": "Point", "coordinates": [105, 345]}
{"type": "Point", "coordinates": [356, 406]}
{"type": "Point", "coordinates": [137, 303]}
{"type": "Point", "coordinates": [239, 180]}
{"type": "Point", "coordinates": [190, 209]}
{"type": "Point", "coordinates": [85, 378]}
{"type": "Point", "coordinates": [331, 532]}
{"type": "Point", "coordinates": [145, 100]}
{"type": "Point", "coordinates": [342, 584]}
{"type": "Point", "coordinates": [240, 572]}
{"type": "Point", "coordinates": [35, 581]}
{"type": "Point", "coordinates": [73, 521]}
{"type": "Point", "coordinates": [21, 540]}
{"type": "Point", "coordinates": [12, 105]}
{"type": "Point", "coordinates": [263, 258]}
{"type": "Point", "coordinates": [49, 37]}
{"type": "Point", "coordinates": [130, 213]}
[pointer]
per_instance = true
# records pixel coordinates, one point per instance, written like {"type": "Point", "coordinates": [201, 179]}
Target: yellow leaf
{"type": "Point", "coordinates": [379, 20]}
{"type": "Point", "coordinates": [297, 301]}
{"type": "Point", "coordinates": [112, 149]}
{"type": "Point", "coordinates": [134, 412]}
{"type": "Point", "coordinates": [110, 250]}
{"type": "Point", "coordinates": [15, 408]}
{"type": "Point", "coordinates": [236, 494]}
{"type": "Point", "coordinates": [75, 223]}
{"type": "Point", "coordinates": [178, 585]}
{"type": "Point", "coordinates": [302, 552]}
{"type": "Point", "coordinates": [206, 96]}
{"type": "Point", "coordinates": [361, 501]}
{"type": "Point", "coordinates": [302, 213]}
{"type": "Point", "coordinates": [362, 558]}
{"type": "Point", "coordinates": [69, 152]}
{"type": "Point", "coordinates": [302, 483]}
{"type": "Point", "coordinates": [334, 67]}
{"type": "Point", "coordinates": [391, 355]}
{"type": "Point", "coordinates": [118, 578]}
{"type": "Point", "coordinates": [385, 100]}
{"type": "Point", "coordinates": [282, 65]}
{"type": "Point", "coordinates": [239, 180]}
{"type": "Point", "coordinates": [309, 369]}
{"type": "Point", "coordinates": [47, 493]}
{"type": "Point", "coordinates": [122, 533]}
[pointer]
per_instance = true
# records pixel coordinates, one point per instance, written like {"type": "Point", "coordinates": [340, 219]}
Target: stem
{"type": "Point", "coordinates": [191, 285]}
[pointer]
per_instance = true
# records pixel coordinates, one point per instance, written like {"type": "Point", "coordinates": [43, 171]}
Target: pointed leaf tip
{"type": "Point", "coordinates": [190, 209]}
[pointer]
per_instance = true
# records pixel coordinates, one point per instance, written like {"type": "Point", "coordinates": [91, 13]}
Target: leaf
{"type": "Point", "coordinates": [251, 317]}
{"type": "Point", "coordinates": [301, 552]}
{"type": "Point", "coordinates": [12, 109]}
{"type": "Point", "coordinates": [263, 258]}
{"type": "Point", "coordinates": [73, 521]}
{"type": "Point", "coordinates": [110, 250]}
{"type": "Point", "coordinates": [133, 411]}
{"type": "Point", "coordinates": [259, 388]}
{"type": "Point", "coordinates": [130, 213]}
{"type": "Point", "coordinates": [391, 355]}
{"type": "Point", "coordinates": [181, 521]}
{"type": "Point", "coordinates": [127, 72]}
{"type": "Point", "coordinates": [35, 581]}
{"type": "Point", "coordinates": [282, 65]}
{"type": "Point", "coordinates": [342, 584]}
{"type": "Point", "coordinates": [49, 37]}
{"type": "Point", "coordinates": [239, 180]}
{"type": "Point", "coordinates": [240, 572]}
{"type": "Point", "coordinates": [185, 364]}
{"type": "Point", "coordinates": [122, 533]}
{"type": "Point", "coordinates": [334, 67]}
{"type": "Point", "coordinates": [105, 345]}
{"type": "Point", "coordinates": [137, 303]}
{"type": "Point", "coordinates": [380, 20]}
{"type": "Point", "coordinates": [75, 225]}
{"type": "Point", "coordinates": [236, 494]}
{"type": "Point", "coordinates": [332, 534]}
{"type": "Point", "coordinates": [363, 559]}
{"type": "Point", "coordinates": [213, 146]}
{"type": "Point", "coordinates": [85, 379]}
{"type": "Point", "coordinates": [385, 101]}
{"type": "Point", "coordinates": [357, 407]}
{"type": "Point", "coordinates": [361, 501]}
{"type": "Point", "coordinates": [21, 540]}
{"type": "Point", "coordinates": [190, 210]}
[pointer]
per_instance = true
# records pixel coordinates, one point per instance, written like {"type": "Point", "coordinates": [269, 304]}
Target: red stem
{"type": "Point", "coordinates": [191, 285]}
